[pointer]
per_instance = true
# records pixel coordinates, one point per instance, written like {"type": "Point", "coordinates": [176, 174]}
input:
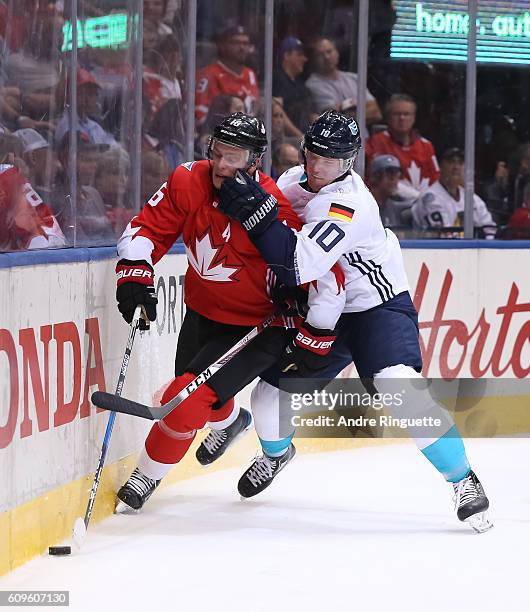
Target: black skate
{"type": "Point", "coordinates": [262, 472]}
{"type": "Point", "coordinates": [135, 492]}
{"type": "Point", "coordinates": [218, 440]}
{"type": "Point", "coordinates": [471, 503]}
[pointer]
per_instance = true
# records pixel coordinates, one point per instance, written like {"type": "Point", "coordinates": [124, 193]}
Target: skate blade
{"type": "Point", "coordinates": [480, 522]}
{"type": "Point", "coordinates": [123, 508]}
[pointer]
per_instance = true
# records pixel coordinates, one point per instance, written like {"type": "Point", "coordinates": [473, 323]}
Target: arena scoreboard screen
{"type": "Point", "coordinates": [437, 31]}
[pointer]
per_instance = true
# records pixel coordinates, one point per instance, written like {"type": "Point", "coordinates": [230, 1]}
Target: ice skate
{"type": "Point", "coordinates": [135, 492]}
{"type": "Point", "coordinates": [471, 503]}
{"type": "Point", "coordinates": [262, 472]}
{"type": "Point", "coordinates": [218, 441]}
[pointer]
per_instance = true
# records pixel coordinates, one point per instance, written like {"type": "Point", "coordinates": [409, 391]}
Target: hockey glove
{"type": "Point", "coordinates": [136, 288]}
{"type": "Point", "coordinates": [291, 301]}
{"type": "Point", "coordinates": [308, 353]}
{"type": "Point", "coordinates": [245, 200]}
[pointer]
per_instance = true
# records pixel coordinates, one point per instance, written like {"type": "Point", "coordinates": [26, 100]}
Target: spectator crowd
{"type": "Point", "coordinates": [50, 198]}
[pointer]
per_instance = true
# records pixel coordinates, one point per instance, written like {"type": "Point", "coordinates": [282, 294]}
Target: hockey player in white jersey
{"type": "Point", "coordinates": [378, 327]}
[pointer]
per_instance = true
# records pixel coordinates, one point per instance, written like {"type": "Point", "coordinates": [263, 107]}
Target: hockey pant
{"type": "Point", "coordinates": [383, 344]}
{"type": "Point", "coordinates": [202, 341]}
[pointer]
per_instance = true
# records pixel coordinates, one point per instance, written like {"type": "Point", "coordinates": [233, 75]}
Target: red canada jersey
{"type": "Point", "coordinates": [217, 79]}
{"type": "Point", "coordinates": [227, 280]}
{"type": "Point", "coordinates": [418, 160]}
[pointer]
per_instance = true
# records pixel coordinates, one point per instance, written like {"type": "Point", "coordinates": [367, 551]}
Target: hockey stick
{"type": "Point", "coordinates": [155, 413]}
{"type": "Point", "coordinates": [81, 525]}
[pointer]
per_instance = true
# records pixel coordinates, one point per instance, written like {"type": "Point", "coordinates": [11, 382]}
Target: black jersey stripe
{"type": "Point", "coordinates": [365, 270]}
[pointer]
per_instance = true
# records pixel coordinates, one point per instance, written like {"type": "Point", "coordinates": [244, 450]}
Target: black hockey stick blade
{"type": "Point", "coordinates": [112, 402]}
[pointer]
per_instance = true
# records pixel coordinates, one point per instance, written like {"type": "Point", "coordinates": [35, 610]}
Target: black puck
{"type": "Point", "coordinates": [60, 550]}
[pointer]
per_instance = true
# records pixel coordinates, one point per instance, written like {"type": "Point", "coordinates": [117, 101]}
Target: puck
{"type": "Point", "coordinates": [59, 550]}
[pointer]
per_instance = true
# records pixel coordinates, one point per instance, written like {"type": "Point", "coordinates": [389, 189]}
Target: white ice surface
{"type": "Point", "coordinates": [371, 529]}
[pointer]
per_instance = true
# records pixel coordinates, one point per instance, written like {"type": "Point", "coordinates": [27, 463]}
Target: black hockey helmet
{"type": "Point", "coordinates": [333, 135]}
{"type": "Point", "coordinates": [244, 131]}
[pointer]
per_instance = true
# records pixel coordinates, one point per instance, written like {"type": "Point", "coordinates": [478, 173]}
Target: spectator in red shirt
{"type": "Point", "coordinates": [415, 153]}
{"type": "Point", "coordinates": [519, 223]}
{"type": "Point", "coordinates": [229, 74]}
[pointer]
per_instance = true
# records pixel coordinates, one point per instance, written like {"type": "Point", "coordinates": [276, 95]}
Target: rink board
{"type": "Point", "coordinates": [62, 338]}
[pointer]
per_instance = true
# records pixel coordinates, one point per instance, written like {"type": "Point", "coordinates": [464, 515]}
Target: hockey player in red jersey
{"type": "Point", "coordinates": [227, 291]}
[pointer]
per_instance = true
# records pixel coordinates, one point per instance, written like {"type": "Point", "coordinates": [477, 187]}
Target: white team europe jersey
{"type": "Point", "coordinates": [342, 223]}
{"type": "Point", "coordinates": [436, 207]}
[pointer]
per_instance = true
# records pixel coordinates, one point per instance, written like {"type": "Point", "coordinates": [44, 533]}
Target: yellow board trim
{"type": "Point", "coordinates": [27, 530]}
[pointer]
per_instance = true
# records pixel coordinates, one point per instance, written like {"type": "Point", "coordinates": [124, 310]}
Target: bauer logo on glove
{"type": "Point", "coordinates": [318, 346]}
{"type": "Point", "coordinates": [308, 353]}
{"type": "Point", "coordinates": [135, 287]}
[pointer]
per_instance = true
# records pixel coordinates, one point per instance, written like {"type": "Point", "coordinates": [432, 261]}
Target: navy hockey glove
{"type": "Point", "coordinates": [308, 353]}
{"type": "Point", "coordinates": [245, 200]}
{"type": "Point", "coordinates": [136, 288]}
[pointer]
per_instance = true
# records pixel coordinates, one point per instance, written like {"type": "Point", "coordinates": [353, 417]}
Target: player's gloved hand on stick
{"type": "Point", "coordinates": [308, 353]}
{"type": "Point", "coordinates": [136, 288]}
{"type": "Point", "coordinates": [245, 200]}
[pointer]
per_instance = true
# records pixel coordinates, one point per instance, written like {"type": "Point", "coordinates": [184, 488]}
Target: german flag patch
{"type": "Point", "coordinates": [340, 212]}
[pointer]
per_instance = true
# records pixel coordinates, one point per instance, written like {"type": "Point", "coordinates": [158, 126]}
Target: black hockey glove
{"type": "Point", "coordinates": [291, 301]}
{"type": "Point", "coordinates": [245, 200]}
{"type": "Point", "coordinates": [308, 353]}
{"type": "Point", "coordinates": [136, 288]}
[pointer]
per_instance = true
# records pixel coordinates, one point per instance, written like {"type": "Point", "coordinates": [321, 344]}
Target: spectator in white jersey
{"type": "Point", "coordinates": [442, 204]}
{"type": "Point", "coordinates": [376, 324]}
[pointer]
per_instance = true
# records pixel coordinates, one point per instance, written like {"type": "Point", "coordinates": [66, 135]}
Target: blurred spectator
{"type": "Point", "coordinates": [88, 110]}
{"type": "Point", "coordinates": [25, 221]}
{"type": "Point", "coordinates": [35, 69]}
{"type": "Point", "coordinates": [289, 85]}
{"type": "Point", "coordinates": [10, 106]}
{"type": "Point", "coordinates": [284, 156]}
{"type": "Point", "coordinates": [155, 171]}
{"type": "Point", "coordinates": [87, 224]}
{"type": "Point", "coordinates": [442, 204]}
{"type": "Point", "coordinates": [161, 74]}
{"type": "Point", "coordinates": [331, 87]}
{"type": "Point", "coordinates": [14, 21]}
{"type": "Point", "coordinates": [10, 150]}
{"type": "Point", "coordinates": [149, 37]}
{"type": "Point", "coordinates": [221, 106]}
{"type": "Point", "coordinates": [519, 222]}
{"type": "Point", "coordinates": [229, 74]}
{"type": "Point", "coordinates": [523, 174]}
{"type": "Point", "coordinates": [416, 154]}
{"type": "Point", "coordinates": [41, 163]}
{"type": "Point", "coordinates": [168, 130]}
{"type": "Point", "coordinates": [505, 193]}
{"type": "Point", "coordinates": [112, 183]}
{"type": "Point", "coordinates": [278, 125]}
{"type": "Point", "coordinates": [155, 12]}
{"type": "Point", "coordinates": [162, 92]}
{"type": "Point", "coordinates": [385, 172]}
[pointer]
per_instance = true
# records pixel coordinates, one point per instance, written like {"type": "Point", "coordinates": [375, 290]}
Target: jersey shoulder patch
{"type": "Point", "coordinates": [339, 211]}
{"type": "Point", "coordinates": [188, 165]}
